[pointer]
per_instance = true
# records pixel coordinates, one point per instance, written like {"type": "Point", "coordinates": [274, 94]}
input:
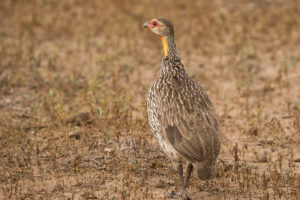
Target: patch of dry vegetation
{"type": "Point", "coordinates": [74, 75]}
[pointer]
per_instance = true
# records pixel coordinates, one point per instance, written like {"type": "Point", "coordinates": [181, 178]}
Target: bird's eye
{"type": "Point", "coordinates": [154, 23]}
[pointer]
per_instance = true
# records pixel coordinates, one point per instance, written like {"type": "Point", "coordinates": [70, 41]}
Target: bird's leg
{"type": "Point", "coordinates": [183, 185]}
{"type": "Point", "coordinates": [183, 194]}
{"type": "Point", "coordinates": [180, 171]}
{"type": "Point", "coordinates": [189, 170]}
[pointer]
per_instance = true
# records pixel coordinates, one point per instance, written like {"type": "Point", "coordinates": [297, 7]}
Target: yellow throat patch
{"type": "Point", "coordinates": [165, 45]}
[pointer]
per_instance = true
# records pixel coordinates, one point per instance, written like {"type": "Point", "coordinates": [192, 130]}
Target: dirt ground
{"type": "Point", "coordinates": [74, 76]}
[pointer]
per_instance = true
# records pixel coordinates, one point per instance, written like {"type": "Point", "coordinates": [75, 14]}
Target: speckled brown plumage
{"type": "Point", "coordinates": [180, 113]}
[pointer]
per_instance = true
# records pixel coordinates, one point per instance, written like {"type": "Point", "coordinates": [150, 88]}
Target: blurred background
{"type": "Point", "coordinates": [74, 76]}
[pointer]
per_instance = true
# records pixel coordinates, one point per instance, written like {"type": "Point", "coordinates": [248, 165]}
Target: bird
{"type": "Point", "coordinates": [181, 114]}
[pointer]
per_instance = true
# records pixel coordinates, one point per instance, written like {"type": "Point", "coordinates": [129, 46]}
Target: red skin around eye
{"type": "Point", "coordinates": [151, 24]}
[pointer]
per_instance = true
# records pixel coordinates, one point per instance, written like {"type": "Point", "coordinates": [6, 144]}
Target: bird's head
{"type": "Point", "coordinates": [160, 26]}
{"type": "Point", "coordinates": [163, 28]}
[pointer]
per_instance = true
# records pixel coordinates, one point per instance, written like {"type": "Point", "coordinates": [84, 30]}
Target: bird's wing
{"type": "Point", "coordinates": [194, 131]}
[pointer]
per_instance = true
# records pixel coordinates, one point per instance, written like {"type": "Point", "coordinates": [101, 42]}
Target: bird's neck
{"type": "Point", "coordinates": [169, 46]}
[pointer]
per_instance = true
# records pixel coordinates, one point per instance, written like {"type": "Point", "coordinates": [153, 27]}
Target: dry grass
{"type": "Point", "coordinates": [73, 82]}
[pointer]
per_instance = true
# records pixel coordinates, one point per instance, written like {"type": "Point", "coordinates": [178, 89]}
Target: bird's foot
{"type": "Point", "coordinates": [184, 196]}
{"type": "Point", "coordinates": [179, 196]}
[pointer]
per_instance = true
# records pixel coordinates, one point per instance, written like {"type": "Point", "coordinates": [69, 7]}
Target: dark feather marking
{"type": "Point", "coordinates": [173, 135]}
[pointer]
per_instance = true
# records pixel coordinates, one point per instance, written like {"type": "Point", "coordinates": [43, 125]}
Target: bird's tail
{"type": "Point", "coordinates": [206, 170]}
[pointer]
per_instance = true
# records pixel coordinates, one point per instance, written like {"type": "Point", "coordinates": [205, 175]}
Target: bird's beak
{"type": "Point", "coordinates": [146, 25]}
